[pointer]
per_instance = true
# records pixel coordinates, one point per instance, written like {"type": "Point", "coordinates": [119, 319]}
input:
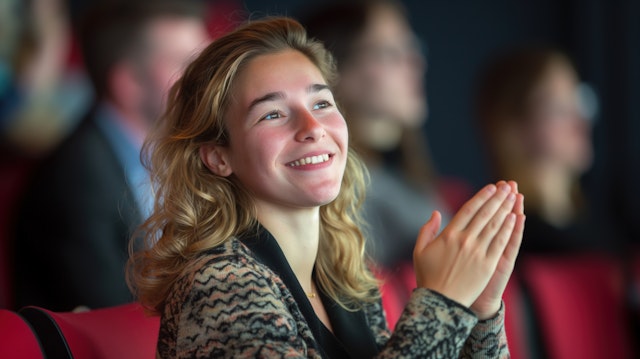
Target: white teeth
{"type": "Point", "coordinates": [310, 160]}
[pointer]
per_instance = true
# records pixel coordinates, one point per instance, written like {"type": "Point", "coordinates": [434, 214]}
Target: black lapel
{"type": "Point", "coordinates": [352, 328]}
{"type": "Point", "coordinates": [266, 249]}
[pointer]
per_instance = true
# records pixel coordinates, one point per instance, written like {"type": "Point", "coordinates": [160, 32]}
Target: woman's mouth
{"type": "Point", "coordinates": [311, 160]}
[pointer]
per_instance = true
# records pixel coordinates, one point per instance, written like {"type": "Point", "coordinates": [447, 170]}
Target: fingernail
{"type": "Point", "coordinates": [505, 187]}
{"type": "Point", "coordinates": [511, 197]}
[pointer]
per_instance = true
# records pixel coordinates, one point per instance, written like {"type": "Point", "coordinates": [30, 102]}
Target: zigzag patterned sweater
{"type": "Point", "coordinates": [241, 300]}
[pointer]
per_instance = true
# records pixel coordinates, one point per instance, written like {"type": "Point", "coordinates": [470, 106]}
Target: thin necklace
{"type": "Point", "coordinates": [312, 294]}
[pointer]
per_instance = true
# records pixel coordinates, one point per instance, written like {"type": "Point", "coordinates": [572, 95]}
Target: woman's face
{"type": "Point", "coordinates": [385, 75]}
{"type": "Point", "coordinates": [287, 140]}
{"type": "Point", "coordinates": [560, 133]}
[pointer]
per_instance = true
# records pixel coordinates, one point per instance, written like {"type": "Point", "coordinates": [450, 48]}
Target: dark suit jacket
{"type": "Point", "coordinates": [73, 227]}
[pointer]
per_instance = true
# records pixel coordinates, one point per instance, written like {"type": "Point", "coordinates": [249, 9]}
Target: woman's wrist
{"type": "Point", "coordinates": [489, 313]}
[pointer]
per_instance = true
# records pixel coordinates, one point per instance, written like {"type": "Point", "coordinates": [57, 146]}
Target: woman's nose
{"type": "Point", "coordinates": [308, 127]}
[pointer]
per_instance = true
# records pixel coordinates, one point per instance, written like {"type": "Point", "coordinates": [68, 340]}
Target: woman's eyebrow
{"type": "Point", "coordinates": [317, 88]}
{"type": "Point", "coordinates": [271, 96]}
{"type": "Point", "coordinates": [278, 95]}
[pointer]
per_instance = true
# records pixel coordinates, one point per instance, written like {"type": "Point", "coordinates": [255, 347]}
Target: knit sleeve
{"type": "Point", "coordinates": [235, 311]}
{"type": "Point", "coordinates": [488, 339]}
{"type": "Point", "coordinates": [431, 326]}
{"type": "Point", "coordinates": [434, 326]}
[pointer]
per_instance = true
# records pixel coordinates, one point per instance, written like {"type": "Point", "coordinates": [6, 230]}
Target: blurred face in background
{"type": "Point", "coordinates": [559, 131]}
{"type": "Point", "coordinates": [9, 28]}
{"type": "Point", "coordinates": [383, 80]}
{"type": "Point", "coordinates": [170, 45]}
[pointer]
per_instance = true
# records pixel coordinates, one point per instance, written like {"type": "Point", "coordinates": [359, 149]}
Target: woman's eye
{"type": "Point", "coordinates": [272, 115]}
{"type": "Point", "coordinates": [321, 105]}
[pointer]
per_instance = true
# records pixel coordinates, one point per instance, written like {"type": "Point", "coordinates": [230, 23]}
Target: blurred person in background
{"type": "Point", "coordinates": [42, 94]}
{"type": "Point", "coordinates": [41, 91]}
{"type": "Point", "coordinates": [82, 204]}
{"type": "Point", "coordinates": [536, 120]}
{"type": "Point", "coordinates": [382, 66]}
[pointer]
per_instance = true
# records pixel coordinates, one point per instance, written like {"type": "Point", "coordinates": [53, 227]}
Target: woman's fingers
{"type": "Point", "coordinates": [490, 216]}
{"type": "Point", "coordinates": [426, 237]}
{"type": "Point", "coordinates": [460, 221]}
{"type": "Point", "coordinates": [518, 207]}
{"type": "Point", "coordinates": [495, 224]}
{"type": "Point", "coordinates": [477, 249]}
{"type": "Point", "coordinates": [500, 239]}
{"type": "Point", "coordinates": [428, 232]}
{"type": "Point", "coordinates": [513, 247]}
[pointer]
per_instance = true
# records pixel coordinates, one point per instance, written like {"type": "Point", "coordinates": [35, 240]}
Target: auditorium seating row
{"type": "Point", "coordinates": [558, 306]}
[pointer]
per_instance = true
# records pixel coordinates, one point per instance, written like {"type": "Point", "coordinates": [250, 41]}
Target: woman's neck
{"type": "Point", "coordinates": [377, 133]}
{"type": "Point", "coordinates": [297, 232]}
{"type": "Point", "coordinates": [550, 193]}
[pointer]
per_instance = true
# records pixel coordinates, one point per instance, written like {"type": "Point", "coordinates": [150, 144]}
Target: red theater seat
{"type": "Point", "coordinates": [17, 340]}
{"type": "Point", "coordinates": [580, 305]}
{"type": "Point", "coordinates": [120, 332]}
{"type": "Point", "coordinates": [516, 321]}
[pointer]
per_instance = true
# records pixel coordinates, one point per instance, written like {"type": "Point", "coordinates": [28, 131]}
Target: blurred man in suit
{"type": "Point", "coordinates": [78, 215]}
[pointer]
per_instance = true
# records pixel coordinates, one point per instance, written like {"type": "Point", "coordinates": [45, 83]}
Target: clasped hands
{"type": "Point", "coordinates": [471, 260]}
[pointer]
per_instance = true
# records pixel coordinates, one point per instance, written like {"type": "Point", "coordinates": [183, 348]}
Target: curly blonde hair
{"type": "Point", "coordinates": [196, 210]}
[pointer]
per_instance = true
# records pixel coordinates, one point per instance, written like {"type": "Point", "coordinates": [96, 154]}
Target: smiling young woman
{"type": "Point", "coordinates": [254, 247]}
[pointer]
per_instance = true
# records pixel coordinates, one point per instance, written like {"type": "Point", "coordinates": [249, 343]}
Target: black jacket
{"type": "Point", "coordinates": [73, 227]}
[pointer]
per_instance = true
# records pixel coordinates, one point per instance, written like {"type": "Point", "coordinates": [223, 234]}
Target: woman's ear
{"type": "Point", "coordinates": [216, 159]}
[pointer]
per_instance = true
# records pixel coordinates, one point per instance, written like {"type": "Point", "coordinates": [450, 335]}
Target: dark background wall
{"type": "Point", "coordinates": [601, 36]}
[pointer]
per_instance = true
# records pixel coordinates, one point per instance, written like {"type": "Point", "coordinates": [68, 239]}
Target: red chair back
{"type": "Point", "coordinates": [395, 288]}
{"type": "Point", "coordinates": [580, 305]}
{"type": "Point", "coordinates": [516, 322]}
{"type": "Point", "coordinates": [17, 340]}
{"type": "Point", "coordinates": [121, 332]}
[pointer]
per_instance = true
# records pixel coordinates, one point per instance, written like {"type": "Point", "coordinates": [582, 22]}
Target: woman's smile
{"type": "Point", "coordinates": [310, 161]}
